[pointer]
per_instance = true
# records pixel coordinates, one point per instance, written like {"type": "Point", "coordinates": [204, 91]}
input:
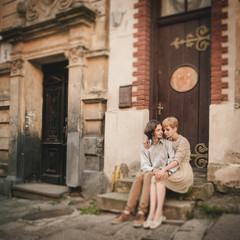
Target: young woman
{"type": "Point", "coordinates": [178, 181]}
{"type": "Point", "coordinates": [156, 156]}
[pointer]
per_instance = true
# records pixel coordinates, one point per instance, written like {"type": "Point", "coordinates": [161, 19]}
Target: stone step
{"type": "Point", "coordinates": [39, 191]}
{"type": "Point", "coordinates": [124, 185]}
{"type": "Point", "coordinates": [201, 190]}
{"type": "Point", "coordinates": [173, 209]}
{"type": "Point", "coordinates": [112, 202]}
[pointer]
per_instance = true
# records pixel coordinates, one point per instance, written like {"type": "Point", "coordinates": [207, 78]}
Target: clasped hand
{"type": "Point", "coordinates": [161, 175]}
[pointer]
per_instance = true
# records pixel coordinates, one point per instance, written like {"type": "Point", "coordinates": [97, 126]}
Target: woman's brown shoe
{"type": "Point", "coordinates": [122, 218]}
{"type": "Point", "coordinates": [138, 222]}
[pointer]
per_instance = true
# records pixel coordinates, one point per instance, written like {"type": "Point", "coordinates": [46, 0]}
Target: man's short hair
{"type": "Point", "coordinates": [150, 128]}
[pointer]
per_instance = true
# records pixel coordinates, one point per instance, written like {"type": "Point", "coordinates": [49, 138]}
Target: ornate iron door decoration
{"type": "Point", "coordinates": [202, 39]}
{"type": "Point", "coordinates": [200, 155]}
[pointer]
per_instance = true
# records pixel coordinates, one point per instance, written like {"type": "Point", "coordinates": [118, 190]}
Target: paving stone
{"type": "Point", "coordinates": [128, 232]}
{"type": "Point", "coordinates": [165, 232]}
{"type": "Point", "coordinates": [77, 226]}
{"type": "Point", "coordinates": [193, 229]}
{"type": "Point", "coordinates": [75, 234]}
{"type": "Point", "coordinates": [226, 228]}
{"type": "Point", "coordinates": [48, 214]}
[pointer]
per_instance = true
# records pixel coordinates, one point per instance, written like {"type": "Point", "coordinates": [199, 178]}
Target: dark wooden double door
{"type": "Point", "coordinates": [54, 134]}
{"type": "Point", "coordinates": [182, 47]}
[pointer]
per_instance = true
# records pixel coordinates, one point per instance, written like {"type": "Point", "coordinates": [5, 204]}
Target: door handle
{"type": "Point", "coordinates": [159, 109]}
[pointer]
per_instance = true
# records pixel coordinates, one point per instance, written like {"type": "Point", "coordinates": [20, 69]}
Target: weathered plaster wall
{"type": "Point", "coordinates": [32, 128]}
{"type": "Point", "coordinates": [124, 127]}
{"type": "Point", "coordinates": [76, 31]}
{"type": "Point", "coordinates": [4, 117]}
{"type": "Point", "coordinates": [34, 99]}
{"type": "Point", "coordinates": [224, 141]}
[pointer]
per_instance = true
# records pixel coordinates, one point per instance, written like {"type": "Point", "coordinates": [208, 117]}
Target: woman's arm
{"type": "Point", "coordinates": [180, 154]}
{"type": "Point", "coordinates": [182, 149]}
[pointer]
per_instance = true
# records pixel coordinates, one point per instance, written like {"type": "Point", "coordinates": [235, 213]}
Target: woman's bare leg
{"type": "Point", "coordinates": [161, 192]}
{"type": "Point", "coordinates": [153, 201]}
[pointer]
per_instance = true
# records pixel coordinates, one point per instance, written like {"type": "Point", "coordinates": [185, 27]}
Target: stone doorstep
{"type": "Point", "coordinates": [172, 209]}
{"type": "Point", "coordinates": [202, 189]}
{"type": "Point", "coordinates": [124, 185]}
{"type": "Point", "coordinates": [112, 202]}
{"type": "Point", "coordinates": [39, 191]}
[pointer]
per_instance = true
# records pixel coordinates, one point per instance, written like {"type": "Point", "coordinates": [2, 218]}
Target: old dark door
{"type": "Point", "coordinates": [54, 123]}
{"type": "Point", "coordinates": [181, 76]}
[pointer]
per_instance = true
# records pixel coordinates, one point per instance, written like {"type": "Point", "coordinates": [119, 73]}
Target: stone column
{"type": "Point", "coordinates": [15, 163]}
{"type": "Point", "coordinates": [75, 164]}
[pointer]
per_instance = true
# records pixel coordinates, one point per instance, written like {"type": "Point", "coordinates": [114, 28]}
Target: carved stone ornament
{"type": "Point", "coordinates": [33, 9]}
{"type": "Point", "coordinates": [16, 67]}
{"type": "Point", "coordinates": [76, 55]}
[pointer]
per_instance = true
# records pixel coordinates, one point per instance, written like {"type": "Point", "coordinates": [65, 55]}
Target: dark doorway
{"type": "Point", "coordinates": [180, 84]}
{"type": "Point", "coordinates": [54, 136]}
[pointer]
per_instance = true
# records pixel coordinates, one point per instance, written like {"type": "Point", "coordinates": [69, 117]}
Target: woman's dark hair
{"type": "Point", "coordinates": [150, 128]}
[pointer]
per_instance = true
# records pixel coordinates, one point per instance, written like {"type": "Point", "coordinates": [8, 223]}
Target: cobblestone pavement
{"type": "Point", "coordinates": [49, 220]}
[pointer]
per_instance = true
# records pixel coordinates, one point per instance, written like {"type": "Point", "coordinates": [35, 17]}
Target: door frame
{"type": "Point", "coordinates": [153, 92]}
{"type": "Point", "coordinates": [61, 180]}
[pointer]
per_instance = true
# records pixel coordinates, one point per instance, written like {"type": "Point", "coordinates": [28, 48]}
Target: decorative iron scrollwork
{"type": "Point", "coordinates": [200, 155]}
{"type": "Point", "coordinates": [202, 39]}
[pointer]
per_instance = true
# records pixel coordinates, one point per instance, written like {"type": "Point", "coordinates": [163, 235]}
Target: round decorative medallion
{"type": "Point", "coordinates": [184, 78]}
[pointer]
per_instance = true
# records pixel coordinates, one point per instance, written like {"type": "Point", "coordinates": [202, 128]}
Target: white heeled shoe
{"type": "Point", "coordinates": [156, 224]}
{"type": "Point", "coordinates": [147, 224]}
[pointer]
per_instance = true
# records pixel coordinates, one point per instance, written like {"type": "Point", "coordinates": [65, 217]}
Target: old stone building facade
{"type": "Point", "coordinates": [80, 79]}
{"type": "Point", "coordinates": [53, 90]}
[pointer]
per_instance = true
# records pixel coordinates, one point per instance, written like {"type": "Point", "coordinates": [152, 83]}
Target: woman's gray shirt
{"type": "Point", "coordinates": [157, 155]}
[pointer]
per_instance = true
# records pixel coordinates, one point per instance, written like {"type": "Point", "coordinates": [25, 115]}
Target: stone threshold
{"type": "Point", "coordinates": [41, 191]}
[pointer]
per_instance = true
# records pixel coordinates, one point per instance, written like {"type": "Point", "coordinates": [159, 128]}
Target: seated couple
{"type": "Point", "coordinates": [164, 164]}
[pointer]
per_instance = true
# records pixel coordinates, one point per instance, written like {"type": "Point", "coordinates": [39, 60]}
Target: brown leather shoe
{"type": "Point", "coordinates": [122, 218]}
{"type": "Point", "coordinates": [138, 222]}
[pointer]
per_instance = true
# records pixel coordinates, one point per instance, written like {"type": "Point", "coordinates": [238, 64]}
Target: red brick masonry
{"type": "Point", "coordinates": [142, 54]}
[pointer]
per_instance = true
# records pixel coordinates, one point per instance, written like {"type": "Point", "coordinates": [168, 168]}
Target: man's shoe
{"type": "Point", "coordinates": [138, 222]}
{"type": "Point", "coordinates": [122, 218]}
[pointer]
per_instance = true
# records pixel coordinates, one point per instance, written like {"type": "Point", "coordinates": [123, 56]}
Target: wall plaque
{"type": "Point", "coordinates": [125, 96]}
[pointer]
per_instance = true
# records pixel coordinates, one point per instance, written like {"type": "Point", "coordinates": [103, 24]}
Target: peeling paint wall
{"type": "Point", "coordinates": [124, 127]}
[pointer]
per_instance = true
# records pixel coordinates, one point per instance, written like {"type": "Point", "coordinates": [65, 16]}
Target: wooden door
{"type": "Point", "coordinates": [181, 80]}
{"type": "Point", "coordinates": [54, 134]}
